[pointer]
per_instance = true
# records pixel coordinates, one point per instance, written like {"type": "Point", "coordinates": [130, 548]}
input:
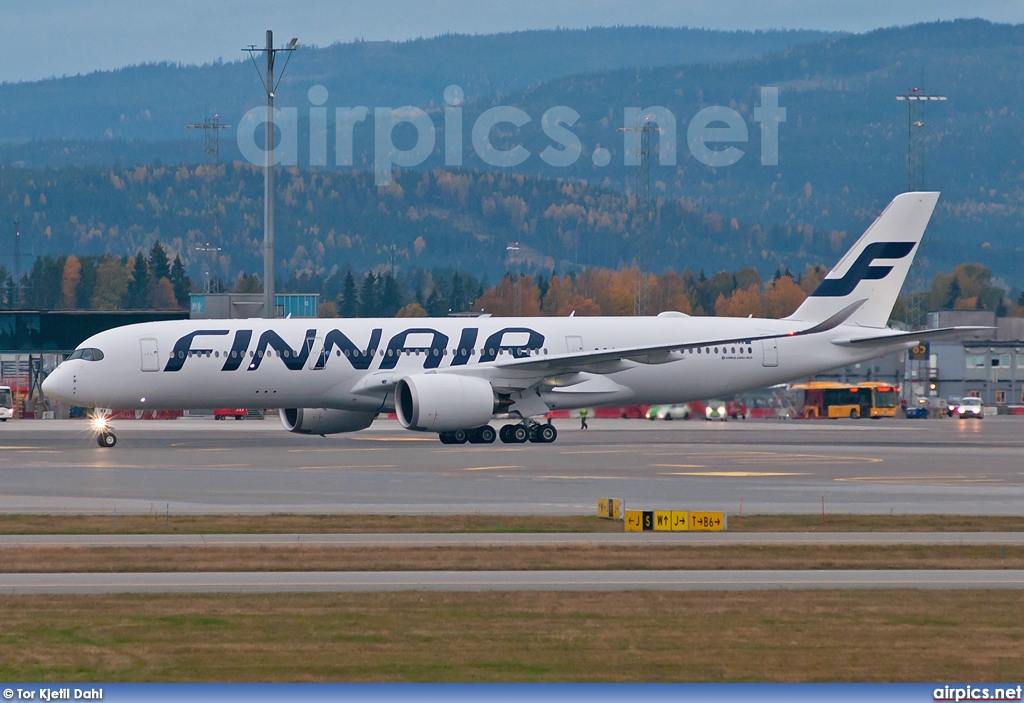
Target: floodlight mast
{"type": "Point", "coordinates": [270, 86]}
{"type": "Point", "coordinates": [916, 98]}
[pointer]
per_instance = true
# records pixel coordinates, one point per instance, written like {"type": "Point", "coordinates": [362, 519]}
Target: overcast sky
{"type": "Point", "coordinates": [44, 38]}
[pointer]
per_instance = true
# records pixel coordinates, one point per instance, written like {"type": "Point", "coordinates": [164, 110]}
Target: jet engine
{"type": "Point", "coordinates": [324, 421]}
{"type": "Point", "coordinates": [444, 402]}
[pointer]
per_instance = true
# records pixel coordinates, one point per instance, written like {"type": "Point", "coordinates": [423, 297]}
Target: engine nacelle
{"type": "Point", "coordinates": [443, 402]}
{"type": "Point", "coordinates": [323, 421]}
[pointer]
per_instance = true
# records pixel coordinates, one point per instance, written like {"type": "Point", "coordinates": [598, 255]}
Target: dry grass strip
{"type": "Point", "coordinates": [297, 558]}
{"type": "Point", "coordinates": [887, 636]}
{"type": "Point", "coordinates": [266, 524]}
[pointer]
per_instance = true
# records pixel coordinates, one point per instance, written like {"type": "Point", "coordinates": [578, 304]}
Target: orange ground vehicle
{"type": "Point", "coordinates": [832, 400]}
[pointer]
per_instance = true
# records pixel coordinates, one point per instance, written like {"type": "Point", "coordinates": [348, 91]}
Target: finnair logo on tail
{"type": "Point", "coordinates": [862, 269]}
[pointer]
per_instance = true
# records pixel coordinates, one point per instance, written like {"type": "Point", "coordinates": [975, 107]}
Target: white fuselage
{"type": "Point", "coordinates": [327, 363]}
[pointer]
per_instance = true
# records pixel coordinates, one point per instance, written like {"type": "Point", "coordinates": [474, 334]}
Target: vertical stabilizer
{"type": "Point", "coordinates": [873, 270]}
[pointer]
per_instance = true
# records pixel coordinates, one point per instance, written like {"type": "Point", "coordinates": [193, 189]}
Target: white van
{"type": "Point", "coordinates": [6, 403]}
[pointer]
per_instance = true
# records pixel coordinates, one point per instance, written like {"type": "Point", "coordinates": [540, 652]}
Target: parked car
{"type": "Point", "coordinates": [679, 411]}
{"type": "Point", "coordinates": [951, 405]}
{"type": "Point", "coordinates": [716, 410]}
{"type": "Point", "coordinates": [970, 407]}
{"type": "Point", "coordinates": [737, 410]}
{"type": "Point", "coordinates": [225, 413]}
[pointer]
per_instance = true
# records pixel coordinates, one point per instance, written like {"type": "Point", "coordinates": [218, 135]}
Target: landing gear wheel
{"type": "Point", "coordinates": [482, 435]}
{"type": "Point", "coordinates": [503, 434]}
{"type": "Point", "coordinates": [546, 434]}
{"type": "Point", "coordinates": [106, 439]}
{"type": "Point", "coordinates": [518, 434]}
{"type": "Point", "coordinates": [459, 436]}
{"type": "Point", "coordinates": [444, 437]}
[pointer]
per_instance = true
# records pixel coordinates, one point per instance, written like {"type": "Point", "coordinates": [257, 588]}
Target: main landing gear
{"type": "Point", "coordinates": [527, 431]}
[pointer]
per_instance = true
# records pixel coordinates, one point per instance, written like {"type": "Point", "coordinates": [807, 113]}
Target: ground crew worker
{"type": "Point", "coordinates": [583, 418]}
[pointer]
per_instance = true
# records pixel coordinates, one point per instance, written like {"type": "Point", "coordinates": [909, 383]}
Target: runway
{"type": "Point", "coordinates": [461, 581]}
{"type": "Point", "coordinates": [202, 466]}
{"type": "Point", "coordinates": [602, 539]}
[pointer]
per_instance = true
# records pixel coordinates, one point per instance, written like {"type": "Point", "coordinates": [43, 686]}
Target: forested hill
{"type": "Point", "coordinates": [842, 153]}
{"type": "Point", "coordinates": [328, 221]}
{"type": "Point", "coordinates": [842, 150]}
{"type": "Point", "coordinates": [154, 102]}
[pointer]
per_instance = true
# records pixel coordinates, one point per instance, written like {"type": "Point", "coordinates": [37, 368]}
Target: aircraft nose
{"type": "Point", "coordinates": [56, 384]}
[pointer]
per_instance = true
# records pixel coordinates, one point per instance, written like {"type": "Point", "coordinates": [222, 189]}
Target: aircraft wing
{"type": "Point", "coordinates": [526, 372]}
{"type": "Point", "coordinates": [919, 335]}
{"type": "Point", "coordinates": [608, 360]}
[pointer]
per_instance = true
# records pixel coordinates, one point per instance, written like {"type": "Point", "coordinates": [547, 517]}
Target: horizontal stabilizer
{"type": "Point", "coordinates": [903, 337]}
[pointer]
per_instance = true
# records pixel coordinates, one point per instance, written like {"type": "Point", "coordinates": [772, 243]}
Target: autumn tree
{"type": "Point", "coordinates": [112, 280]}
{"type": "Point", "coordinates": [498, 301]}
{"type": "Point", "coordinates": [742, 303]}
{"type": "Point", "coordinates": [560, 290]}
{"type": "Point", "coordinates": [578, 306]}
{"type": "Point", "coordinates": [327, 309]}
{"type": "Point", "coordinates": [412, 310]}
{"type": "Point", "coordinates": [70, 282]}
{"type": "Point", "coordinates": [161, 296]}
{"type": "Point", "coordinates": [782, 297]}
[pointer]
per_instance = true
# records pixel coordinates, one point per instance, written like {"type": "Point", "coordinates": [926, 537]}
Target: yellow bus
{"type": "Point", "coordinates": [823, 399]}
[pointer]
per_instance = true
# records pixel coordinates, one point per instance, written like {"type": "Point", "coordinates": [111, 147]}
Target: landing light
{"type": "Point", "coordinates": [99, 423]}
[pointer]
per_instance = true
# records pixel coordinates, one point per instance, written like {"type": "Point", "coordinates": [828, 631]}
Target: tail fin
{"type": "Point", "coordinates": [873, 270]}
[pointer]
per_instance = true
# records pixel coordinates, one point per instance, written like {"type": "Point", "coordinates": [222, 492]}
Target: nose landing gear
{"type": "Point", "coordinates": [106, 439]}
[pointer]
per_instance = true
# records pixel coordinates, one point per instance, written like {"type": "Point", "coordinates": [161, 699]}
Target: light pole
{"type": "Point", "coordinates": [916, 98]}
{"type": "Point", "coordinates": [270, 86]}
{"type": "Point", "coordinates": [513, 255]}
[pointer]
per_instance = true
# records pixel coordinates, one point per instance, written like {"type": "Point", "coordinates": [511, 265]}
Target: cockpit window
{"type": "Point", "coordinates": [87, 354]}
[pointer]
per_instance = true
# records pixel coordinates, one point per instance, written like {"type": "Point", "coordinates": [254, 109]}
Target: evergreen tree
{"type": "Point", "coordinates": [159, 265]}
{"type": "Point", "coordinates": [457, 302]}
{"type": "Point", "coordinates": [138, 288]}
{"type": "Point", "coordinates": [437, 301]}
{"type": "Point", "coordinates": [250, 283]}
{"type": "Point", "coordinates": [368, 298]}
{"type": "Point", "coordinates": [180, 283]}
{"type": "Point", "coordinates": [349, 297]}
{"type": "Point", "coordinates": [954, 295]}
{"type": "Point", "coordinates": [390, 298]}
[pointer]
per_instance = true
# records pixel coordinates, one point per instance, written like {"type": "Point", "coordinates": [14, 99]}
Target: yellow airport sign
{"type": "Point", "coordinates": [634, 521]}
{"type": "Point", "coordinates": [609, 508]}
{"type": "Point", "coordinates": [674, 521]}
{"type": "Point", "coordinates": [680, 521]}
{"type": "Point", "coordinates": [707, 522]}
{"type": "Point", "coordinates": [662, 520]}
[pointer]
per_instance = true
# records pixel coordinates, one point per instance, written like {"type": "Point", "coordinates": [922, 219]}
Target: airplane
{"type": "Point", "coordinates": [453, 376]}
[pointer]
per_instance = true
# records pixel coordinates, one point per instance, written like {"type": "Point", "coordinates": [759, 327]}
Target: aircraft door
{"type": "Point", "coordinates": [314, 353]}
{"type": "Point", "coordinates": [770, 351]}
{"type": "Point", "coordinates": [150, 355]}
{"type": "Point", "coordinates": [574, 344]}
